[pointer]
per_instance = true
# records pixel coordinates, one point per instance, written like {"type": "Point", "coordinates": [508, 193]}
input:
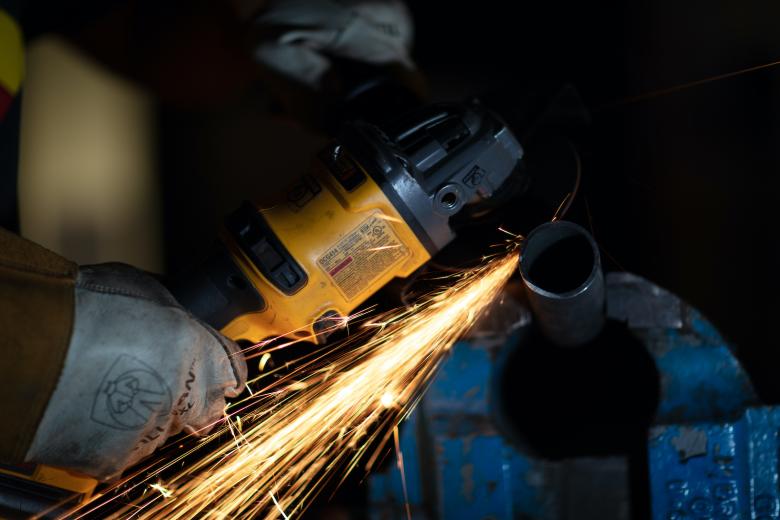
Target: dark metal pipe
{"type": "Point", "coordinates": [561, 269]}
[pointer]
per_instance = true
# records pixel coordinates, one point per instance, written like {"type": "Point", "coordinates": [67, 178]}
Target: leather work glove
{"type": "Point", "coordinates": [139, 369]}
{"type": "Point", "coordinates": [299, 37]}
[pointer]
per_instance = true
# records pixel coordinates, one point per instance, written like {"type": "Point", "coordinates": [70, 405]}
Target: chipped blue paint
{"type": "Point", "coordinates": [735, 478]}
{"type": "Point", "coordinates": [700, 377]}
{"type": "Point", "coordinates": [471, 472]}
{"type": "Point", "coordinates": [386, 492]}
{"type": "Point", "coordinates": [712, 454]}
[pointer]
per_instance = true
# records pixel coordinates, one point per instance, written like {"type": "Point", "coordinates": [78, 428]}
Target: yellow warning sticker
{"type": "Point", "coordinates": [364, 255]}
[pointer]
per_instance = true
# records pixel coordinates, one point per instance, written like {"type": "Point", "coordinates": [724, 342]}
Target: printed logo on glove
{"type": "Point", "coordinates": [130, 394]}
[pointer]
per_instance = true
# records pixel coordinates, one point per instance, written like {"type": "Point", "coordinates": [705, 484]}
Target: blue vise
{"type": "Point", "coordinates": [708, 450]}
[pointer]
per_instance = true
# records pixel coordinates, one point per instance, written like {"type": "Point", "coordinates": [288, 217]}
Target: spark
{"type": "Point", "coordinates": [382, 248]}
{"type": "Point", "coordinates": [684, 86]}
{"type": "Point", "coordinates": [279, 507]}
{"type": "Point", "coordinates": [559, 211]}
{"type": "Point", "coordinates": [387, 400]}
{"type": "Point", "coordinates": [324, 419]}
{"type": "Point", "coordinates": [388, 218]}
{"type": "Point", "coordinates": [264, 360]}
{"type": "Point", "coordinates": [399, 457]}
{"type": "Point", "coordinates": [167, 493]}
{"type": "Point", "coordinates": [300, 334]}
{"type": "Point", "coordinates": [565, 204]}
{"type": "Point", "coordinates": [514, 236]}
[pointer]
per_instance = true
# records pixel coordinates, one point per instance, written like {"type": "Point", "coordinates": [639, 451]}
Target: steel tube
{"type": "Point", "coordinates": [561, 269]}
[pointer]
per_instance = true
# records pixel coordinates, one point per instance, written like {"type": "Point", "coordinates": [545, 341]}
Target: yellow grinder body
{"type": "Point", "coordinates": [376, 205]}
{"type": "Point", "coordinates": [345, 245]}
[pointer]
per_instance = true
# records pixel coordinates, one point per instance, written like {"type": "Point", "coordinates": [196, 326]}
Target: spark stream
{"type": "Point", "coordinates": [319, 426]}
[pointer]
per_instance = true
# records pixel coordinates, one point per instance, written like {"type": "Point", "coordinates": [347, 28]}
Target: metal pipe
{"type": "Point", "coordinates": [561, 270]}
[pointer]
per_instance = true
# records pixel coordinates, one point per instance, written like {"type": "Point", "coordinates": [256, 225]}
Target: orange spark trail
{"type": "Point", "coordinates": [402, 470]}
{"type": "Point", "coordinates": [684, 86]}
{"type": "Point", "coordinates": [319, 427]}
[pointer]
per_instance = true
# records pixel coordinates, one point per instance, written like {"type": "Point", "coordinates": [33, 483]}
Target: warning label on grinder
{"type": "Point", "coordinates": [362, 256]}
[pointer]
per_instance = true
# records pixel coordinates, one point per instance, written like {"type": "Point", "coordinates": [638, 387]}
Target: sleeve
{"type": "Point", "coordinates": [37, 289]}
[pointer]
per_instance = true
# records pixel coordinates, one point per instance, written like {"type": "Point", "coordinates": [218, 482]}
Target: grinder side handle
{"type": "Point", "coordinates": [216, 291]}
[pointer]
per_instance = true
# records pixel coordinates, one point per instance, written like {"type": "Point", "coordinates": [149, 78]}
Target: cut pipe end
{"type": "Point", "coordinates": [561, 269]}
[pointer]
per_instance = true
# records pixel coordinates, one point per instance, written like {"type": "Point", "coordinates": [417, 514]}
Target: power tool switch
{"type": "Point", "coordinates": [255, 238]}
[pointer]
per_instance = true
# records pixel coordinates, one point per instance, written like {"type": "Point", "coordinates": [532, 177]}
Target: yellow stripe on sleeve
{"type": "Point", "coordinates": [11, 54]}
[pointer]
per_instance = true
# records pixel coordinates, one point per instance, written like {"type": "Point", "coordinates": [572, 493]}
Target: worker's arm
{"type": "Point", "coordinates": [36, 318]}
{"type": "Point", "coordinates": [197, 53]}
{"type": "Point", "coordinates": [300, 38]}
{"type": "Point", "coordinates": [100, 364]}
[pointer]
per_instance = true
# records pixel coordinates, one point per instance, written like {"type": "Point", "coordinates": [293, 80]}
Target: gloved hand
{"type": "Point", "coordinates": [139, 369]}
{"type": "Point", "coordinates": [298, 37]}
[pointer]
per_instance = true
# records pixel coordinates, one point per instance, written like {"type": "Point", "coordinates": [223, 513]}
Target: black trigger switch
{"type": "Point", "coordinates": [258, 241]}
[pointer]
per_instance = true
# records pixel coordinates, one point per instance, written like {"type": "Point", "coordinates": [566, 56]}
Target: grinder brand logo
{"type": "Point", "coordinates": [130, 394]}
